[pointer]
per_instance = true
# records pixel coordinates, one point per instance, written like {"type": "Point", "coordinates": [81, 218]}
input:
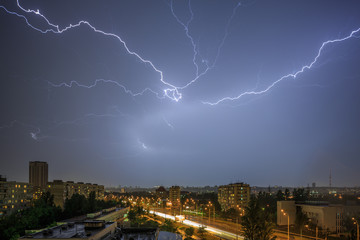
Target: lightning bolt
{"type": "Point", "coordinates": [290, 75]}
{"type": "Point", "coordinates": [34, 134]}
{"type": "Point", "coordinates": [194, 46]}
{"type": "Point", "coordinates": [170, 92]}
{"type": "Point", "coordinates": [143, 145]}
{"type": "Point", "coordinates": [186, 29]}
{"type": "Point", "coordinates": [72, 83]}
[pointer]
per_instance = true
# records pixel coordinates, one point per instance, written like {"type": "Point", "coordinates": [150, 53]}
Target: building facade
{"type": "Point", "coordinates": [64, 190]}
{"type": "Point", "coordinates": [236, 195]}
{"type": "Point", "coordinates": [14, 196]}
{"type": "Point", "coordinates": [328, 217]}
{"type": "Point", "coordinates": [174, 195]}
{"type": "Point", "coordinates": [161, 192]}
{"type": "Point", "coordinates": [38, 174]}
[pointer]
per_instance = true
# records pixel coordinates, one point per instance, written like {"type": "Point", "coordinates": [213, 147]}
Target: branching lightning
{"type": "Point", "coordinates": [290, 75]}
{"type": "Point", "coordinates": [172, 91]}
{"type": "Point", "coordinates": [72, 83]}
{"type": "Point", "coordinates": [195, 47]}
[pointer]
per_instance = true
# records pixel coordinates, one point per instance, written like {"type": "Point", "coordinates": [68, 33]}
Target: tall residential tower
{"type": "Point", "coordinates": [38, 174]}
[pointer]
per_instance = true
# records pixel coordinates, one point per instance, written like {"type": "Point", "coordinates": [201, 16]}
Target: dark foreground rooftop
{"type": "Point", "coordinates": [82, 230]}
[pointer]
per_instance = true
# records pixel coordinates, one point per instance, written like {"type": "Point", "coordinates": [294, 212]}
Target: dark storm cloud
{"type": "Point", "coordinates": [291, 135]}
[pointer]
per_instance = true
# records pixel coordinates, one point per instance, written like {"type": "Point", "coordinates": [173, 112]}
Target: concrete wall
{"type": "Point", "coordinates": [289, 208]}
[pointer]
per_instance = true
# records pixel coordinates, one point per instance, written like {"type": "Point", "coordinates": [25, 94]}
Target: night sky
{"type": "Point", "coordinates": [80, 101]}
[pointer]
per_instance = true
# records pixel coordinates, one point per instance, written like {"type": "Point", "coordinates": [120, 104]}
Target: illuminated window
{"type": "Point", "coordinates": [15, 186]}
{"type": "Point", "coordinates": [22, 200]}
{"type": "Point", "coordinates": [24, 186]}
{"type": "Point", "coordinates": [12, 196]}
{"type": "Point", "coordinates": [12, 206]}
{"type": "Point", "coordinates": [24, 191]}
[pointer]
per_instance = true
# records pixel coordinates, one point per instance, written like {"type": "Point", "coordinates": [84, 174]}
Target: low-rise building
{"type": "Point", "coordinates": [64, 190]}
{"type": "Point", "coordinates": [236, 195]}
{"type": "Point", "coordinates": [328, 217]}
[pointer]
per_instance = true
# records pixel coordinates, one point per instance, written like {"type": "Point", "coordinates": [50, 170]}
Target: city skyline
{"type": "Point", "coordinates": [185, 93]}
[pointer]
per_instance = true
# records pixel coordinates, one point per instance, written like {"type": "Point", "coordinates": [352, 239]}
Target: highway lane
{"type": "Point", "coordinates": [216, 231]}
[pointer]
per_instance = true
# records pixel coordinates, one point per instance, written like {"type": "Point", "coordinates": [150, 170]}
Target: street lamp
{"type": "Point", "coordinates": [286, 214]}
{"type": "Point", "coordinates": [357, 228]}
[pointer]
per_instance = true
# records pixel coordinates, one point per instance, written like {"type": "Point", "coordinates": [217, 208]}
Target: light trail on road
{"type": "Point", "coordinates": [217, 231]}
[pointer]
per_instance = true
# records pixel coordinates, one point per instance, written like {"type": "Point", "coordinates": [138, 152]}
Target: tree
{"type": "Point", "coordinates": [300, 195]}
{"type": "Point", "coordinates": [287, 194]}
{"type": "Point", "coordinates": [300, 220]}
{"type": "Point", "coordinates": [189, 232]}
{"type": "Point", "coordinates": [250, 220]}
{"type": "Point", "coordinates": [201, 231]}
{"type": "Point", "coordinates": [131, 216]}
{"type": "Point", "coordinates": [41, 214]}
{"type": "Point", "coordinates": [231, 213]}
{"type": "Point", "coordinates": [350, 227]}
{"type": "Point", "coordinates": [256, 222]}
{"type": "Point", "coordinates": [169, 226]}
{"type": "Point", "coordinates": [92, 204]}
{"type": "Point", "coordinates": [75, 206]}
{"type": "Point", "coordinates": [280, 196]}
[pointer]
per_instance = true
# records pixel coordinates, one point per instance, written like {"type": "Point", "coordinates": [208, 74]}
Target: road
{"type": "Point", "coordinates": [225, 229]}
{"type": "Point", "coordinates": [214, 230]}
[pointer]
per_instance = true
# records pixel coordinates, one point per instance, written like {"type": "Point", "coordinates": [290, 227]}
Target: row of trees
{"type": "Point", "coordinates": [79, 205]}
{"type": "Point", "coordinates": [44, 213]}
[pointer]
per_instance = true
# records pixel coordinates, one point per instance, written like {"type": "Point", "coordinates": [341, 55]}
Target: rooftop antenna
{"type": "Point", "coordinates": [330, 178]}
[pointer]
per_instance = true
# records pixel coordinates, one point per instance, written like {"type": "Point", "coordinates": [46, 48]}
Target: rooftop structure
{"type": "Point", "coordinates": [91, 230]}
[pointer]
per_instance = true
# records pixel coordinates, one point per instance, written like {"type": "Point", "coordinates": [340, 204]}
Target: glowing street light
{"type": "Point", "coordinates": [286, 214]}
{"type": "Point", "coordinates": [357, 228]}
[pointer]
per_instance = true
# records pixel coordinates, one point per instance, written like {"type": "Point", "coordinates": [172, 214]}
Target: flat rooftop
{"type": "Point", "coordinates": [71, 230]}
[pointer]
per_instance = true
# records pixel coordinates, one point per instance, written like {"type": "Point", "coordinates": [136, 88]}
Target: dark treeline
{"type": "Point", "coordinates": [43, 213]}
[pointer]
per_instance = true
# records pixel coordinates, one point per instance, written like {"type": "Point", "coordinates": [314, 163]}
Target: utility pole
{"type": "Point", "coordinates": [209, 214]}
{"type": "Point", "coordinates": [236, 227]}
